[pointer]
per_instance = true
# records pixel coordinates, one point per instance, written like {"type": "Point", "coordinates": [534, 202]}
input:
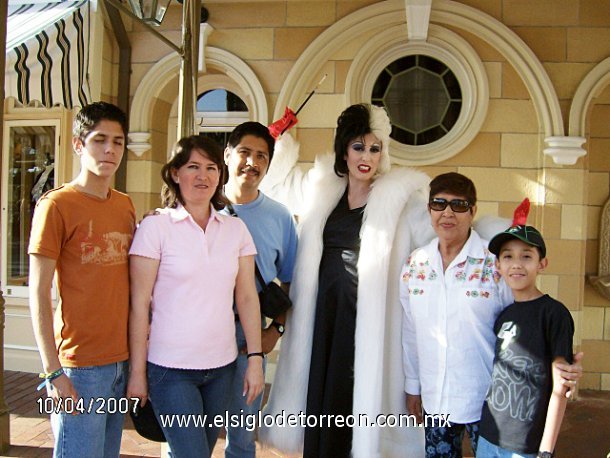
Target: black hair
{"type": "Point", "coordinates": [90, 116]}
{"type": "Point", "coordinates": [255, 129]}
{"type": "Point", "coordinates": [354, 122]}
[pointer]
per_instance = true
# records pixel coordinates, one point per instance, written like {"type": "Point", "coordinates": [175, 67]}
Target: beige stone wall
{"type": "Point", "coordinates": [568, 37]}
{"type": "Point", "coordinates": [110, 66]}
{"type": "Point", "coordinates": [144, 172]}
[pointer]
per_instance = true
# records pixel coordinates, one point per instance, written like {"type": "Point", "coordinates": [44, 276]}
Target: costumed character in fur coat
{"type": "Point", "coordinates": [341, 352]}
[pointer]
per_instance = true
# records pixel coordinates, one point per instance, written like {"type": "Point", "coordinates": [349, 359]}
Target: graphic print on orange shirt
{"type": "Point", "coordinates": [106, 249]}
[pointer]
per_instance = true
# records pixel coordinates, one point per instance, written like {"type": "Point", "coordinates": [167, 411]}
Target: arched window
{"type": "Point", "coordinates": [220, 111]}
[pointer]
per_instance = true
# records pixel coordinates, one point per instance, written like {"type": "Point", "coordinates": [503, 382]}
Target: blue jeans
{"type": "Point", "coordinates": [240, 441]}
{"type": "Point", "coordinates": [92, 434]}
{"type": "Point", "coordinates": [446, 441]}
{"type": "Point", "coordinates": [486, 449]}
{"type": "Point", "coordinates": [193, 396]}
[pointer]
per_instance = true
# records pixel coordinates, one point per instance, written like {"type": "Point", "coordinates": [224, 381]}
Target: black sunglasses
{"type": "Point", "coordinates": [457, 205]}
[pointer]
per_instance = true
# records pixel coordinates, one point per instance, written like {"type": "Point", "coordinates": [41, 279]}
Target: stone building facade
{"type": "Point", "coordinates": [534, 119]}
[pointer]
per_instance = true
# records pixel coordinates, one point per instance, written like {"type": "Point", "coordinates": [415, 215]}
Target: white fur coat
{"type": "Point", "coordinates": [395, 222]}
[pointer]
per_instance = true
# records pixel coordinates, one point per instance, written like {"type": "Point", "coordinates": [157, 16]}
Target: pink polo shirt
{"type": "Point", "coordinates": [193, 325]}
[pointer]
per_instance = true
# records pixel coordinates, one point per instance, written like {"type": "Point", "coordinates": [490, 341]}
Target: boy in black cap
{"type": "Point", "coordinates": [526, 401]}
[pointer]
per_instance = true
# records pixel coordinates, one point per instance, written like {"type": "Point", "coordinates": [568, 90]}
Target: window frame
{"type": "Point", "coordinates": [10, 290]}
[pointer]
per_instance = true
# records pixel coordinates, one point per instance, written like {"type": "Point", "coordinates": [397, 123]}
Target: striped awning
{"type": "Point", "coordinates": [47, 52]}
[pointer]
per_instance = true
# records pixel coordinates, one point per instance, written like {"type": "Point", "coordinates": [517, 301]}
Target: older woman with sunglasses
{"type": "Point", "coordinates": [451, 295]}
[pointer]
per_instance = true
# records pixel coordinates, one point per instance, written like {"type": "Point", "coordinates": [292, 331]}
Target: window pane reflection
{"type": "Point", "coordinates": [31, 172]}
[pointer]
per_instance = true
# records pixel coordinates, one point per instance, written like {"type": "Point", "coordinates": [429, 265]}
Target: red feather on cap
{"type": "Point", "coordinates": [521, 212]}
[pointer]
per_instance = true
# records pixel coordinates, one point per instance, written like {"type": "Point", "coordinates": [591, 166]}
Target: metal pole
{"type": "Point", "coordinates": [188, 67]}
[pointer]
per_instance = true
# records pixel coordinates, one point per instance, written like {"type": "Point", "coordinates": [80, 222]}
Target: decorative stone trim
{"type": "Point", "coordinates": [381, 16]}
{"type": "Point", "coordinates": [565, 150]}
{"type": "Point", "coordinates": [204, 32]}
{"type": "Point", "coordinates": [138, 142]}
{"type": "Point", "coordinates": [517, 53]}
{"type": "Point", "coordinates": [167, 69]}
{"type": "Point", "coordinates": [591, 85]}
{"type": "Point", "coordinates": [418, 18]}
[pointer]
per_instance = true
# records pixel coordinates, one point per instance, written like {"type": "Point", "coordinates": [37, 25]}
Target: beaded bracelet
{"type": "Point", "coordinates": [49, 377]}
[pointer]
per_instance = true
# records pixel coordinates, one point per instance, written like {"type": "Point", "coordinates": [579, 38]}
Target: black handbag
{"type": "Point", "coordinates": [146, 423]}
{"type": "Point", "coordinates": [273, 299]}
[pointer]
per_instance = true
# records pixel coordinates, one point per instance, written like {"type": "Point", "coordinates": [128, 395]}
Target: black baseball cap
{"type": "Point", "coordinates": [527, 234]}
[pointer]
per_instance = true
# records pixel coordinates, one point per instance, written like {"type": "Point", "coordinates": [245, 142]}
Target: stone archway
{"type": "Point", "coordinates": [308, 67]}
{"type": "Point", "coordinates": [592, 84]}
{"type": "Point", "coordinates": [596, 83]}
{"type": "Point", "coordinates": [162, 74]}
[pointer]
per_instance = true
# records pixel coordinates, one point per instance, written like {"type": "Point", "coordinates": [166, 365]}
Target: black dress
{"type": "Point", "coordinates": [331, 375]}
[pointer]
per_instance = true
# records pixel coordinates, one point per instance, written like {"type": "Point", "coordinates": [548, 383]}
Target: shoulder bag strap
{"type": "Point", "coordinates": [257, 272]}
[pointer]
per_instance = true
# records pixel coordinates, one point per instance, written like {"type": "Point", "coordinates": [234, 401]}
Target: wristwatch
{"type": "Point", "coordinates": [279, 326]}
{"type": "Point", "coordinates": [542, 454]}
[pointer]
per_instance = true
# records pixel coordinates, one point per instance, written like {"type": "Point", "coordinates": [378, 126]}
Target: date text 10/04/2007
{"type": "Point", "coordinates": [82, 406]}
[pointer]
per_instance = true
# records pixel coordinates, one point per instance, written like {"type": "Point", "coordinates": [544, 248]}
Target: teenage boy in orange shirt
{"type": "Point", "coordinates": [81, 233]}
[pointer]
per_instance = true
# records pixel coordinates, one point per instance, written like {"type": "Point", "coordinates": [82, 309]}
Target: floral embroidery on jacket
{"type": "Point", "coordinates": [488, 274]}
{"type": "Point", "coordinates": [477, 293]}
{"type": "Point", "coordinates": [416, 291]}
{"type": "Point", "coordinates": [460, 275]}
{"type": "Point", "coordinates": [475, 270]}
{"type": "Point", "coordinates": [475, 275]}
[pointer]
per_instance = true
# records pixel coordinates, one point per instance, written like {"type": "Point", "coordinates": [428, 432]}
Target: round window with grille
{"type": "Point", "coordinates": [422, 96]}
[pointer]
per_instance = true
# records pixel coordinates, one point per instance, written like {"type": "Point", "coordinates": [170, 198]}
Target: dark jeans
{"type": "Point", "coordinates": [186, 402]}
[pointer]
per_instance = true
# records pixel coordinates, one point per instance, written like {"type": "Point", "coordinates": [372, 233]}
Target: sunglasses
{"type": "Point", "coordinates": [457, 205]}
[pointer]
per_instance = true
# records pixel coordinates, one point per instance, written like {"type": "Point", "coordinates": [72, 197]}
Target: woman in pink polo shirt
{"type": "Point", "coordinates": [191, 260]}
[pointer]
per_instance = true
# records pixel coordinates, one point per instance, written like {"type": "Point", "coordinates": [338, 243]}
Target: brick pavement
{"type": "Point", "coordinates": [585, 431]}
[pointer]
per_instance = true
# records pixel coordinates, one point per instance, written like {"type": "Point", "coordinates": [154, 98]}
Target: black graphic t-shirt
{"type": "Point", "coordinates": [530, 335]}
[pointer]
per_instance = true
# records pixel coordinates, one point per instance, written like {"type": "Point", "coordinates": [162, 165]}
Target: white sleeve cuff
{"type": "Point", "coordinates": [412, 386]}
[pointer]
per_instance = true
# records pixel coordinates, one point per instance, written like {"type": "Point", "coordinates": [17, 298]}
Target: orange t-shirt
{"type": "Point", "coordinates": [89, 238]}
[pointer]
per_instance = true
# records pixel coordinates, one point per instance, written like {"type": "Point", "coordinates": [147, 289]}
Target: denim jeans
{"type": "Point", "coordinates": [195, 396]}
{"type": "Point", "coordinates": [241, 442]}
{"type": "Point", "coordinates": [92, 434]}
{"type": "Point", "coordinates": [486, 449]}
